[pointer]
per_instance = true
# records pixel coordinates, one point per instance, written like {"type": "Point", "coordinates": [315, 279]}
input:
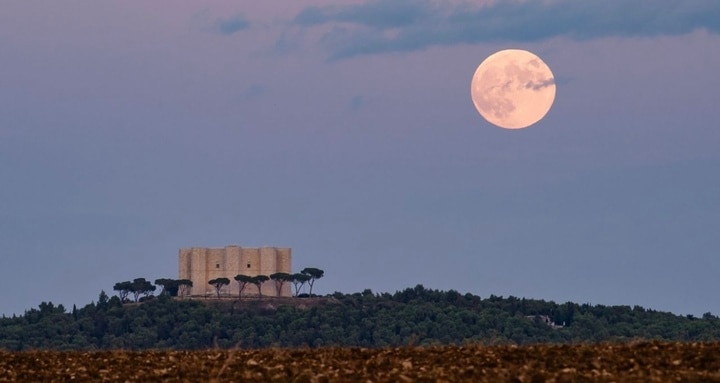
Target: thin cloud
{"type": "Point", "coordinates": [386, 14]}
{"type": "Point", "coordinates": [232, 25]}
{"type": "Point", "coordinates": [540, 85]}
{"type": "Point", "coordinates": [411, 25]}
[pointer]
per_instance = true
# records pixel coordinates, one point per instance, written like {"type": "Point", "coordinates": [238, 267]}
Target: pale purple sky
{"type": "Point", "coordinates": [345, 130]}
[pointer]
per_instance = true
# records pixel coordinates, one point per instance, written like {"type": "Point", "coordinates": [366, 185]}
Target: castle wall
{"type": "Point", "coordinates": [201, 265]}
{"type": "Point", "coordinates": [250, 259]}
{"type": "Point", "coordinates": [216, 267]}
{"type": "Point", "coordinates": [198, 270]}
{"type": "Point", "coordinates": [268, 262]}
{"type": "Point", "coordinates": [184, 263]}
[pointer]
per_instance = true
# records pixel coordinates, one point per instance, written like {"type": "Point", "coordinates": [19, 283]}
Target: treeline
{"type": "Point", "coordinates": [182, 287]}
{"type": "Point", "coordinates": [308, 275]}
{"type": "Point", "coordinates": [414, 316]}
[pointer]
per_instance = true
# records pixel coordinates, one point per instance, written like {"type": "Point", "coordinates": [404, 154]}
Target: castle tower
{"type": "Point", "coordinates": [202, 264]}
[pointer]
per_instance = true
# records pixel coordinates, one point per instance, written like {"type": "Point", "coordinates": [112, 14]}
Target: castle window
{"type": "Point", "coordinates": [217, 265]}
{"type": "Point", "coordinates": [248, 266]}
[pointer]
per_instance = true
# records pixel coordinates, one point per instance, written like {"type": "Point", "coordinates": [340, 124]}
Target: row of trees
{"type": "Point", "coordinates": [308, 275]}
{"type": "Point", "coordinates": [181, 287]}
{"type": "Point", "coordinates": [141, 286]}
{"type": "Point", "coordinates": [175, 287]}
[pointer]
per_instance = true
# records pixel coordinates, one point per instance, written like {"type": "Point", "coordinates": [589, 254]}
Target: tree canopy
{"type": "Point", "coordinates": [123, 289]}
{"type": "Point", "coordinates": [140, 286]}
{"type": "Point", "coordinates": [243, 281]}
{"type": "Point", "coordinates": [280, 279]}
{"type": "Point", "coordinates": [314, 274]}
{"type": "Point", "coordinates": [169, 286]}
{"type": "Point", "coordinates": [413, 316]}
{"type": "Point", "coordinates": [258, 281]}
{"type": "Point", "coordinates": [218, 284]}
{"type": "Point", "coordinates": [298, 280]}
{"type": "Point", "coordinates": [184, 286]}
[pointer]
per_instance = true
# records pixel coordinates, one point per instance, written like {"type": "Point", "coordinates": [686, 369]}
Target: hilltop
{"type": "Point", "coordinates": [414, 316]}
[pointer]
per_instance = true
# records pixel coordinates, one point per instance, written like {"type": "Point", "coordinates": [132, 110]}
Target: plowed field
{"type": "Point", "coordinates": [639, 362]}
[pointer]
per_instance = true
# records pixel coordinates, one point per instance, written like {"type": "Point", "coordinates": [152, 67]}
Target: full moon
{"type": "Point", "coordinates": [513, 89]}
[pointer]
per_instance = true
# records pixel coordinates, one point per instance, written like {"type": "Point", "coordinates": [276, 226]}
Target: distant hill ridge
{"type": "Point", "coordinates": [414, 316]}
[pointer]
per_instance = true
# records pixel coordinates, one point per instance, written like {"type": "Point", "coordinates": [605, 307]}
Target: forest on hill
{"type": "Point", "coordinates": [414, 316]}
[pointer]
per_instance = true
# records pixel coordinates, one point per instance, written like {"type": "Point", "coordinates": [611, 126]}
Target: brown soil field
{"type": "Point", "coordinates": [637, 362]}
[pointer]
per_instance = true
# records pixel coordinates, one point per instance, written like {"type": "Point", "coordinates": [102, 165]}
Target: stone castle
{"type": "Point", "coordinates": [202, 264]}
